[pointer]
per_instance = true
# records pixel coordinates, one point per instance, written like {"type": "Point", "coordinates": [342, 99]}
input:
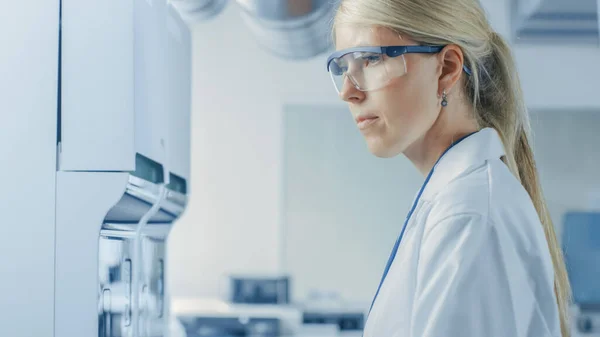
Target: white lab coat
{"type": "Point", "coordinates": [473, 260]}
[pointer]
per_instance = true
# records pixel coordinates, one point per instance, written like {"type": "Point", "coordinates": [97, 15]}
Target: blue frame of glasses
{"type": "Point", "coordinates": [391, 51]}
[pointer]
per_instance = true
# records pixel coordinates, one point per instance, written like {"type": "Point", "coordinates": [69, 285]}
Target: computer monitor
{"type": "Point", "coordinates": [581, 246]}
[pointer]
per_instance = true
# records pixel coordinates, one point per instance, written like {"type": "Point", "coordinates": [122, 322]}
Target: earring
{"type": "Point", "coordinates": [444, 99]}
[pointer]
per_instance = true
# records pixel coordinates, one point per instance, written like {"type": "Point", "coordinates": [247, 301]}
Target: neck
{"type": "Point", "coordinates": [447, 129]}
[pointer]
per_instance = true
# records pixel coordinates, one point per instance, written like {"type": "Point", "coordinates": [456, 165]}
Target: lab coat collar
{"type": "Point", "coordinates": [472, 151]}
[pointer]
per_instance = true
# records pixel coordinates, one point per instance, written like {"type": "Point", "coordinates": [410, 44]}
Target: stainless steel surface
{"type": "Point", "coordinates": [138, 198]}
{"type": "Point", "coordinates": [116, 285]}
{"type": "Point", "coordinates": [153, 312]}
{"type": "Point", "coordinates": [292, 29]}
{"type": "Point", "coordinates": [175, 203]}
{"type": "Point", "coordinates": [199, 10]}
{"type": "Point", "coordinates": [115, 276]}
{"type": "Point", "coordinates": [143, 189]}
{"type": "Point", "coordinates": [125, 276]}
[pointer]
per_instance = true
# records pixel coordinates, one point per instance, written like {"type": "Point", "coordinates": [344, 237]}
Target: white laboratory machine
{"type": "Point", "coordinates": [95, 106]}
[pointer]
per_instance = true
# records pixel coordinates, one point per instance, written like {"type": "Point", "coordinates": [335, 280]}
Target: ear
{"type": "Point", "coordinates": [451, 59]}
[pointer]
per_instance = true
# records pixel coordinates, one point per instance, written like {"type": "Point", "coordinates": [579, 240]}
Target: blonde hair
{"type": "Point", "coordinates": [494, 89]}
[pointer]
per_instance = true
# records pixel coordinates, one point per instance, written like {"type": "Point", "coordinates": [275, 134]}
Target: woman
{"type": "Point", "coordinates": [477, 256]}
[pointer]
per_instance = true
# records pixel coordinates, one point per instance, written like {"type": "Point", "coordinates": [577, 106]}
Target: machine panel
{"type": "Point", "coordinates": [150, 80]}
{"type": "Point", "coordinates": [91, 114]}
{"type": "Point", "coordinates": [28, 100]}
{"type": "Point", "coordinates": [116, 279]}
{"type": "Point", "coordinates": [154, 312]}
{"type": "Point", "coordinates": [97, 86]}
{"type": "Point", "coordinates": [179, 54]}
{"type": "Point", "coordinates": [83, 200]}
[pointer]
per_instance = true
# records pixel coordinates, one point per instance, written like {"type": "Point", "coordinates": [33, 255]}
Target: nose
{"type": "Point", "coordinates": [350, 93]}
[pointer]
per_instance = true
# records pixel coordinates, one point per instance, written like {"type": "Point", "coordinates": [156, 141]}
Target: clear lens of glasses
{"type": "Point", "coordinates": [365, 71]}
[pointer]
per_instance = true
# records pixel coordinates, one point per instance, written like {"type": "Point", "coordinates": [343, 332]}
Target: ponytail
{"type": "Point", "coordinates": [499, 104]}
{"type": "Point", "coordinates": [529, 178]}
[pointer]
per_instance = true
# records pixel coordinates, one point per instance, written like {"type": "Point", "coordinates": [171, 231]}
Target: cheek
{"type": "Point", "coordinates": [424, 92]}
{"type": "Point", "coordinates": [409, 102]}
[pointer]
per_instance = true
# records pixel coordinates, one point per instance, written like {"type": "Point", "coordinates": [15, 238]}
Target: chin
{"type": "Point", "coordinates": [382, 151]}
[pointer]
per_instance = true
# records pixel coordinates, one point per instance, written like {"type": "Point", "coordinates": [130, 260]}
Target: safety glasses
{"type": "Point", "coordinates": [372, 68]}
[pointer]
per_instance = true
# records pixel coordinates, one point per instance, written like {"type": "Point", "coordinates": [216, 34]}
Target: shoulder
{"type": "Point", "coordinates": [488, 199]}
{"type": "Point", "coordinates": [485, 194]}
{"type": "Point", "coordinates": [468, 195]}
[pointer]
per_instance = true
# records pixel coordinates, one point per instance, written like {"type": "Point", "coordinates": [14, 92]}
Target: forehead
{"type": "Point", "coordinates": [350, 35]}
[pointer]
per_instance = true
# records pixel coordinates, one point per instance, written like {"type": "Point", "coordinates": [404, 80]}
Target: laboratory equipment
{"type": "Point", "coordinates": [96, 99]}
{"type": "Point", "coordinates": [344, 320]}
{"type": "Point", "coordinates": [581, 246]}
{"type": "Point", "coordinates": [260, 306]}
{"type": "Point", "coordinates": [329, 308]}
{"type": "Point", "coordinates": [231, 326]}
{"type": "Point", "coordinates": [296, 30]}
{"type": "Point", "coordinates": [249, 305]}
{"type": "Point", "coordinates": [220, 317]}
{"type": "Point", "coordinates": [259, 290]}
{"type": "Point", "coordinates": [199, 10]}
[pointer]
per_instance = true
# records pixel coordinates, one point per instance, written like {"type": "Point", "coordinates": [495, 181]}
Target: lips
{"type": "Point", "coordinates": [363, 121]}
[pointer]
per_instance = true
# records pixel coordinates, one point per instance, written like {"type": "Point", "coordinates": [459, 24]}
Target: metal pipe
{"type": "Point", "coordinates": [199, 10]}
{"type": "Point", "coordinates": [291, 29]}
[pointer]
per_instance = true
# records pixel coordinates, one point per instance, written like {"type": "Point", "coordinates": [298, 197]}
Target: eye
{"type": "Point", "coordinates": [371, 60]}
